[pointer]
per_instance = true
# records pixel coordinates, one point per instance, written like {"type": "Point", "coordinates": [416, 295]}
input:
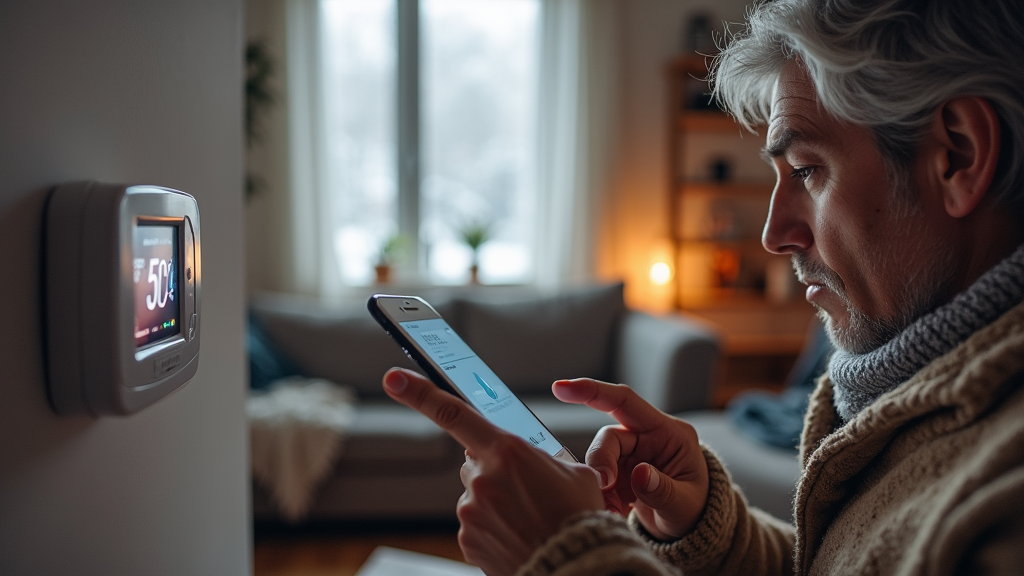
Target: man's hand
{"type": "Point", "coordinates": [517, 496]}
{"type": "Point", "coordinates": [650, 461]}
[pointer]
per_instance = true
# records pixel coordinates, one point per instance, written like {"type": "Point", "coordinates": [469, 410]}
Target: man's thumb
{"type": "Point", "coordinates": [651, 486]}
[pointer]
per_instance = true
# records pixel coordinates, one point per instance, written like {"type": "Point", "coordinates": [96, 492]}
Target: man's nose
{"type": "Point", "coordinates": [786, 230]}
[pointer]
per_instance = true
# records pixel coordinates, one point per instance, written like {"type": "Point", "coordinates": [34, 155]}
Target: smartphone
{"type": "Point", "coordinates": [454, 367]}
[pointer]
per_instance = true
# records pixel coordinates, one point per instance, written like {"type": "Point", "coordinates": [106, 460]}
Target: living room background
{"type": "Point", "coordinates": [612, 154]}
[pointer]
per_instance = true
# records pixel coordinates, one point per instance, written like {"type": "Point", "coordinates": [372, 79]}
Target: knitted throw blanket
{"type": "Point", "coordinates": [297, 428]}
{"type": "Point", "coordinates": [859, 379]}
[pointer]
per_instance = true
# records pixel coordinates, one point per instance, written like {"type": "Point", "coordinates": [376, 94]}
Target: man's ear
{"type": "Point", "coordinates": [967, 130]}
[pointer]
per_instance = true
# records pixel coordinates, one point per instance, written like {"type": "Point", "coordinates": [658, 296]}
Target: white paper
{"type": "Point", "coordinates": [394, 562]}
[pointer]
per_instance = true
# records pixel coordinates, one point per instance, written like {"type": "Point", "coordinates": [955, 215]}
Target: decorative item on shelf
{"type": "Point", "coordinates": [722, 221]}
{"type": "Point", "coordinates": [699, 38]}
{"type": "Point", "coordinates": [698, 41]}
{"type": "Point", "coordinates": [721, 170]}
{"type": "Point", "coordinates": [388, 254]}
{"type": "Point", "coordinates": [698, 96]}
{"type": "Point", "coordinates": [726, 267]}
{"type": "Point", "coordinates": [475, 234]}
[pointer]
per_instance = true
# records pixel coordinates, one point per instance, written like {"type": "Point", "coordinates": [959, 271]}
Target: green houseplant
{"type": "Point", "coordinates": [475, 234]}
{"type": "Point", "coordinates": [259, 97]}
{"type": "Point", "coordinates": [387, 255]}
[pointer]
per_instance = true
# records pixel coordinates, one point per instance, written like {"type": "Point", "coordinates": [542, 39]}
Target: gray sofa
{"type": "Point", "coordinates": [395, 463]}
{"type": "Point", "coordinates": [766, 474]}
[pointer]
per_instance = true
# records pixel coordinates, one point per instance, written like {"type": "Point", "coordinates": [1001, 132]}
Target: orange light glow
{"type": "Point", "coordinates": [660, 273]}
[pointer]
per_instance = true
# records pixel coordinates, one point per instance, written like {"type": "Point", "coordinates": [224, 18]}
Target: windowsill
{"type": "Point", "coordinates": [356, 296]}
{"type": "Point", "coordinates": [412, 285]}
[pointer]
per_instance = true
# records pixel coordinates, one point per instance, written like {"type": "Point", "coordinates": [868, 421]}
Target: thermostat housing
{"type": "Point", "coordinates": [123, 296]}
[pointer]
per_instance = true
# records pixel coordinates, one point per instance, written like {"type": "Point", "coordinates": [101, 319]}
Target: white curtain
{"type": "Point", "coordinates": [311, 266]}
{"type": "Point", "coordinates": [576, 132]}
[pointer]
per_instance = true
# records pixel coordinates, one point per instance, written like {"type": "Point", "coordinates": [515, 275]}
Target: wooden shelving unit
{"type": "Point", "coordinates": [705, 121]}
{"type": "Point", "coordinates": [727, 188]}
{"type": "Point", "coordinates": [715, 226]}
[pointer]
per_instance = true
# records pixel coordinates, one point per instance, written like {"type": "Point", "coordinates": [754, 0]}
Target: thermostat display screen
{"type": "Point", "coordinates": [154, 272]}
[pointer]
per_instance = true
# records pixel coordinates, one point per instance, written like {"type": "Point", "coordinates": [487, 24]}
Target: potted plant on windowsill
{"type": "Point", "coordinates": [475, 234]}
{"type": "Point", "coordinates": [387, 256]}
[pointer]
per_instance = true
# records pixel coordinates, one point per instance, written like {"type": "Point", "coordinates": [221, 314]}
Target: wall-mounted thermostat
{"type": "Point", "coordinates": [122, 296]}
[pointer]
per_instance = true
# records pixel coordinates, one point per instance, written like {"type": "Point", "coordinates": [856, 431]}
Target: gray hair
{"type": "Point", "coordinates": [886, 65]}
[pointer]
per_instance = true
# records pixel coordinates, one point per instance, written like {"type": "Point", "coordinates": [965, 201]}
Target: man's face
{"type": "Point", "coordinates": [872, 257]}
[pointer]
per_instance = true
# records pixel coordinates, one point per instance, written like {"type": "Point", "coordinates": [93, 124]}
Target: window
{"type": "Point", "coordinates": [454, 97]}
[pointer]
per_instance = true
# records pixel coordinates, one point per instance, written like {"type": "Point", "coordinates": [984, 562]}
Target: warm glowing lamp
{"type": "Point", "coordinates": [660, 273]}
{"type": "Point", "coordinates": [662, 267]}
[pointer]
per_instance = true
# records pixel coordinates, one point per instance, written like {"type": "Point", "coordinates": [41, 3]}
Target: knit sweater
{"type": "Point", "coordinates": [929, 479]}
{"type": "Point", "coordinates": [858, 379]}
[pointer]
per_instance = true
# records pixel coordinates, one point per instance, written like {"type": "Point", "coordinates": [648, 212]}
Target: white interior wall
{"type": "Point", "coordinates": [123, 91]}
{"type": "Point", "coordinates": [267, 215]}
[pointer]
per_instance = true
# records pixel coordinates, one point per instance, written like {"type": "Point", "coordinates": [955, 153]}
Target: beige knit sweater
{"type": "Point", "coordinates": [927, 480]}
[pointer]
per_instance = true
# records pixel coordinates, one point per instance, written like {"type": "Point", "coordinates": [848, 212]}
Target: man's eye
{"type": "Point", "coordinates": [802, 173]}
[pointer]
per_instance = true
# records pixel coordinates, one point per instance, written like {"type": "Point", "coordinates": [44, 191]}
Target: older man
{"type": "Point", "coordinates": [896, 130]}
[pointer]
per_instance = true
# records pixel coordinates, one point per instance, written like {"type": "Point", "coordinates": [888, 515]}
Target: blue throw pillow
{"type": "Point", "coordinates": [266, 362]}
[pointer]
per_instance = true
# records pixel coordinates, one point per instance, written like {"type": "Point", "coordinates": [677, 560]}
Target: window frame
{"type": "Point", "coordinates": [407, 120]}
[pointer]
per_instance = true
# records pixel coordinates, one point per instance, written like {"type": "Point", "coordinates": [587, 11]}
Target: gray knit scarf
{"type": "Point", "coordinates": [859, 379]}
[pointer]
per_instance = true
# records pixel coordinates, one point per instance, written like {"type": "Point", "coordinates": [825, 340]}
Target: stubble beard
{"type": "Point", "coordinates": [863, 333]}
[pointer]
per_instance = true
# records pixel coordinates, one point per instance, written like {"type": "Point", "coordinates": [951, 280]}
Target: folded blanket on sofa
{"type": "Point", "coordinates": [297, 428]}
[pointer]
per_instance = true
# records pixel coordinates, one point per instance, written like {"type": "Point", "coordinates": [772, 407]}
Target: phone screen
{"type": "Point", "coordinates": [477, 383]}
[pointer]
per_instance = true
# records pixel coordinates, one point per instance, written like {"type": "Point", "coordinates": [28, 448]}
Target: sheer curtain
{"type": "Point", "coordinates": [575, 143]}
{"type": "Point", "coordinates": [577, 134]}
{"type": "Point", "coordinates": [311, 267]}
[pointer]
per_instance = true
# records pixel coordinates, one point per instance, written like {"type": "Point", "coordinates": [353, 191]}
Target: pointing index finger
{"type": "Point", "coordinates": [618, 400]}
{"type": "Point", "coordinates": [453, 415]}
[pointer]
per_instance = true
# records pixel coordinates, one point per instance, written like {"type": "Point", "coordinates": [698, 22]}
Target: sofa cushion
{"type": "Point", "coordinates": [387, 437]}
{"type": "Point", "coordinates": [532, 341]}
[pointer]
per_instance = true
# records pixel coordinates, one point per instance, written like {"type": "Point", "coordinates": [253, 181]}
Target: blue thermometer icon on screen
{"type": "Point", "coordinates": [487, 389]}
{"type": "Point", "coordinates": [476, 383]}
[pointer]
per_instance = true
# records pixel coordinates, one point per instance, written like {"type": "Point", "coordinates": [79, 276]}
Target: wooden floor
{"type": "Point", "coordinates": [341, 552]}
